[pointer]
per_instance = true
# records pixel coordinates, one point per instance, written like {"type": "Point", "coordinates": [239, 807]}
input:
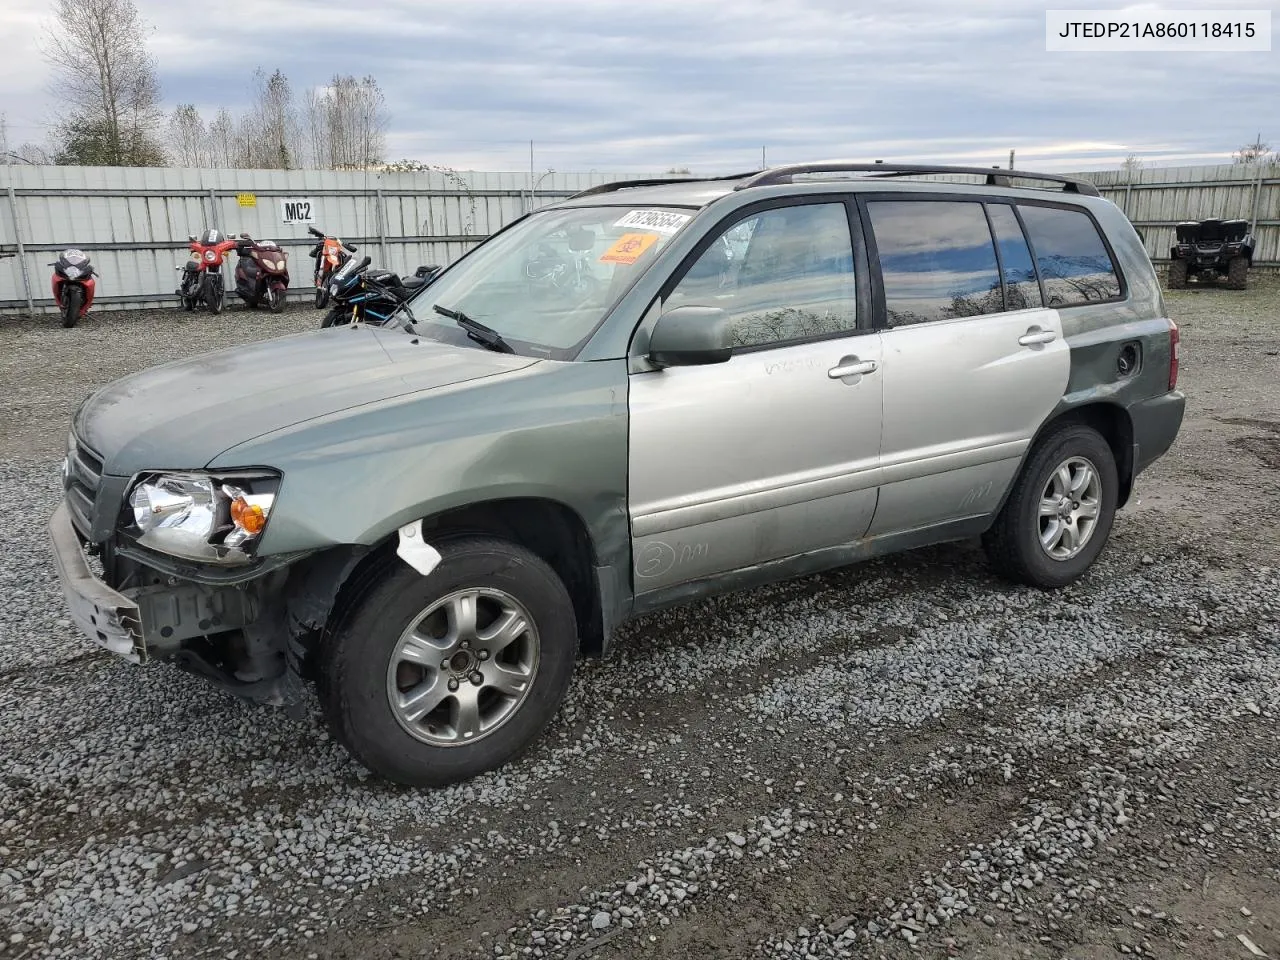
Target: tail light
{"type": "Point", "coordinates": [1175, 339]}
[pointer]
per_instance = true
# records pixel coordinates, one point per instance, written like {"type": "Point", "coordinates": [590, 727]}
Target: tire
{"type": "Point", "coordinates": [333, 317]}
{"type": "Point", "coordinates": [1014, 543]}
{"type": "Point", "coordinates": [217, 297]}
{"type": "Point", "coordinates": [357, 672]}
{"type": "Point", "coordinates": [322, 298]}
{"type": "Point", "coordinates": [1238, 273]}
{"type": "Point", "coordinates": [276, 300]}
{"type": "Point", "coordinates": [72, 299]}
{"type": "Point", "coordinates": [1177, 274]}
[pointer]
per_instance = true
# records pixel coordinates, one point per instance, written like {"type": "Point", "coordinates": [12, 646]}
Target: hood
{"type": "Point", "coordinates": [182, 415]}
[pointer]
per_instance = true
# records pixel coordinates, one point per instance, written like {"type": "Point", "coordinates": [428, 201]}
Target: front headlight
{"type": "Point", "coordinates": [213, 519]}
{"type": "Point", "coordinates": [73, 273]}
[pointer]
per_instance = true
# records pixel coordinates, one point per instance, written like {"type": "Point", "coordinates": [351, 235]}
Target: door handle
{"type": "Point", "coordinates": [1036, 335]}
{"type": "Point", "coordinates": [851, 367]}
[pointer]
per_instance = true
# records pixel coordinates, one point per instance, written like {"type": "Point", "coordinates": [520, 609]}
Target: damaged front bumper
{"type": "Point", "coordinates": [234, 634]}
{"type": "Point", "coordinates": [105, 616]}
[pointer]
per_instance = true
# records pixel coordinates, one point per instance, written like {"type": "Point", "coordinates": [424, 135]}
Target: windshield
{"type": "Point", "coordinates": [546, 284]}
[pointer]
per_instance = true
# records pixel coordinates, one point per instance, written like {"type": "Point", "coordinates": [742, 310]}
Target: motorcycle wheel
{"type": "Point", "coordinates": [217, 299]}
{"type": "Point", "coordinates": [322, 298]}
{"type": "Point", "coordinates": [333, 317]}
{"type": "Point", "coordinates": [71, 300]}
{"type": "Point", "coordinates": [275, 300]}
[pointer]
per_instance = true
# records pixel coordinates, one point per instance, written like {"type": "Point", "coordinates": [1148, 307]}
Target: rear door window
{"type": "Point", "coordinates": [1021, 289]}
{"type": "Point", "coordinates": [937, 260]}
{"type": "Point", "coordinates": [1075, 266]}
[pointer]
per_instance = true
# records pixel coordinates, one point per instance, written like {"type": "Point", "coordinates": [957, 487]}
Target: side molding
{"type": "Point", "coordinates": [415, 551]}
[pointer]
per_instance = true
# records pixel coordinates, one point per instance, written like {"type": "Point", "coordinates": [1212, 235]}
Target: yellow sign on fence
{"type": "Point", "coordinates": [247, 199]}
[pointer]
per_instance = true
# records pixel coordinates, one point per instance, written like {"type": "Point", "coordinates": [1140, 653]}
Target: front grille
{"type": "Point", "coordinates": [84, 477]}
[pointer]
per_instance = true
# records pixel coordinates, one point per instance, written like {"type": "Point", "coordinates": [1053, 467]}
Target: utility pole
{"type": "Point", "coordinates": [1010, 159]}
{"type": "Point", "coordinates": [764, 164]}
{"type": "Point", "coordinates": [531, 186]}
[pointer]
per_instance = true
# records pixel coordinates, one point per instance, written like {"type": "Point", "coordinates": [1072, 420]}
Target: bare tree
{"type": "Point", "coordinates": [274, 139]}
{"type": "Point", "coordinates": [100, 62]}
{"type": "Point", "coordinates": [1256, 152]}
{"type": "Point", "coordinates": [1131, 167]}
{"type": "Point", "coordinates": [346, 123]}
{"type": "Point", "coordinates": [222, 141]}
{"type": "Point", "coordinates": [188, 138]}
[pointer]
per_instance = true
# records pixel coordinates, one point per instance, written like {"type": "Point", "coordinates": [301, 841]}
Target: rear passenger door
{"type": "Point", "coordinates": [973, 362]}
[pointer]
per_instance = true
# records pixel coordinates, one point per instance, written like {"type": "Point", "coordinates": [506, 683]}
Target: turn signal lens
{"type": "Point", "coordinates": [249, 517]}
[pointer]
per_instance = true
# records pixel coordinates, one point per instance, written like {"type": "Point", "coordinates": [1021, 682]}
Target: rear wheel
{"type": "Point", "coordinates": [1238, 273]}
{"type": "Point", "coordinates": [72, 300]}
{"type": "Point", "coordinates": [1059, 514]}
{"type": "Point", "coordinates": [431, 680]}
{"type": "Point", "coordinates": [1177, 274]}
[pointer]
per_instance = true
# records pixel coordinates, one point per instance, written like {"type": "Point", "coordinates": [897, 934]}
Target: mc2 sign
{"type": "Point", "coordinates": [297, 210]}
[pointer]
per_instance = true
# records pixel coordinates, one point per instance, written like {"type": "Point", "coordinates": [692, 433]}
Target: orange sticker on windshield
{"type": "Point", "coordinates": [629, 247]}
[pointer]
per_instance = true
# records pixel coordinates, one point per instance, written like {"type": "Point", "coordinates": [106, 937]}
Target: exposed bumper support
{"type": "Point", "coordinates": [105, 616]}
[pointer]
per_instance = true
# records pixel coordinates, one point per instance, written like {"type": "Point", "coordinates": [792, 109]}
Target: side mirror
{"type": "Point", "coordinates": [691, 336]}
{"type": "Point", "coordinates": [191, 237]}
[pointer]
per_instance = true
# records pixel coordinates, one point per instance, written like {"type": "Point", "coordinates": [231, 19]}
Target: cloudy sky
{"type": "Point", "coordinates": [647, 84]}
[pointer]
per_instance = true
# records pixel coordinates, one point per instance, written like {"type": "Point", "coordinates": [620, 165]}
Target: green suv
{"type": "Point", "coordinates": [645, 394]}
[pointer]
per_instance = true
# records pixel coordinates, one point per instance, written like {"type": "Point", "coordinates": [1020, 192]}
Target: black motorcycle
{"type": "Point", "coordinates": [361, 295]}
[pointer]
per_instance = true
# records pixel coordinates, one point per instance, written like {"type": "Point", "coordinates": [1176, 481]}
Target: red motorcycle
{"type": "Point", "coordinates": [262, 273]}
{"type": "Point", "coordinates": [73, 285]}
{"type": "Point", "coordinates": [202, 275]}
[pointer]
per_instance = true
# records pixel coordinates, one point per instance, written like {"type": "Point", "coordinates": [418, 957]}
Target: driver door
{"type": "Point", "coordinates": [775, 452]}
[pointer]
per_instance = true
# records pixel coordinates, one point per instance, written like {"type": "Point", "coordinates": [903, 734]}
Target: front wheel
{"type": "Point", "coordinates": [275, 299]}
{"type": "Point", "coordinates": [1059, 514]}
{"type": "Point", "coordinates": [72, 299]}
{"type": "Point", "coordinates": [334, 317]}
{"type": "Point", "coordinates": [431, 680]}
{"type": "Point", "coordinates": [1238, 273]}
{"type": "Point", "coordinates": [322, 297]}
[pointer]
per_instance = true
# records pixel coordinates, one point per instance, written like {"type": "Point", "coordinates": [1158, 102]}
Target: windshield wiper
{"type": "Point", "coordinates": [476, 330]}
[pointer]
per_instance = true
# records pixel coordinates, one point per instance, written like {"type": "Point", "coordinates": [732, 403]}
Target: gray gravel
{"type": "Point", "coordinates": [903, 758]}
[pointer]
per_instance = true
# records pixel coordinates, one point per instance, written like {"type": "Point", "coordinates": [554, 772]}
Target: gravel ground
{"type": "Point", "coordinates": [903, 758]}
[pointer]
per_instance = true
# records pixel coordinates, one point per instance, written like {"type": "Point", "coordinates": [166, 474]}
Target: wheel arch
{"type": "Point", "coordinates": [1115, 425]}
{"type": "Point", "coordinates": [330, 583]}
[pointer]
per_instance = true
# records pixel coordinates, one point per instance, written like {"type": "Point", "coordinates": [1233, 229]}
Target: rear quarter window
{"type": "Point", "coordinates": [1075, 265]}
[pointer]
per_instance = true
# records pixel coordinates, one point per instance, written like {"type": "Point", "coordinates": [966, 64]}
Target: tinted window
{"type": "Point", "coordinates": [1074, 264]}
{"type": "Point", "coordinates": [783, 274]}
{"type": "Point", "coordinates": [1021, 291]}
{"type": "Point", "coordinates": [937, 260]}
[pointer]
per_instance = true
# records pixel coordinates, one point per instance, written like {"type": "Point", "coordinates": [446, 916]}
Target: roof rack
{"type": "Point", "coordinates": [656, 182]}
{"type": "Point", "coordinates": [995, 176]}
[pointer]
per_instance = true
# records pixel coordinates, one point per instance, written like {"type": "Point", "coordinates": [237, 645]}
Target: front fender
{"type": "Point", "coordinates": [553, 431]}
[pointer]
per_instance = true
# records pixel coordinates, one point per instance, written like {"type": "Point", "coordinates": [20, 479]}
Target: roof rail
{"type": "Point", "coordinates": [655, 182]}
{"type": "Point", "coordinates": [995, 177]}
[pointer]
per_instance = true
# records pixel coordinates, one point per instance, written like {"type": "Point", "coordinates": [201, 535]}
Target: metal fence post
{"type": "Point", "coordinates": [382, 227]}
{"type": "Point", "coordinates": [213, 210]}
{"type": "Point", "coordinates": [1257, 198]}
{"type": "Point", "coordinates": [22, 251]}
